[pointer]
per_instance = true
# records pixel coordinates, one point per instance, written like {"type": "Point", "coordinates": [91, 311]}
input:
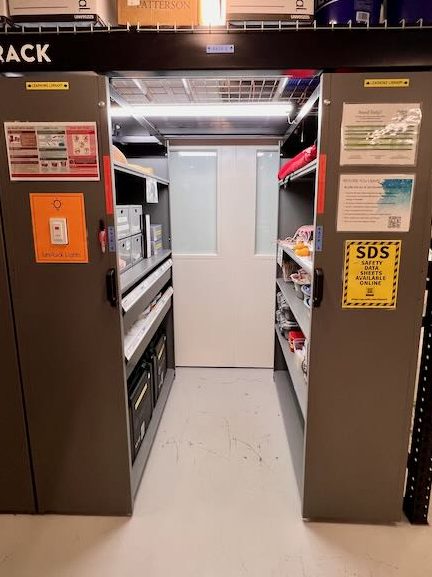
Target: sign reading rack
{"type": "Point", "coordinates": [371, 274]}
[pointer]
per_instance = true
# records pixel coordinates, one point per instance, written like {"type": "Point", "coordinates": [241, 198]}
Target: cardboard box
{"type": "Point", "coordinates": [301, 10]}
{"type": "Point", "coordinates": [75, 11]}
{"type": "Point", "coordinates": [163, 12]}
{"type": "Point", "coordinates": [3, 9]}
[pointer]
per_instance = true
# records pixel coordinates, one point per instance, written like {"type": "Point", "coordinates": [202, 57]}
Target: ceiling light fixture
{"type": "Point", "coordinates": [204, 110]}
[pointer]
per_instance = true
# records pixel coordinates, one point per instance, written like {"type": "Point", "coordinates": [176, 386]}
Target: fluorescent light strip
{"type": "Point", "coordinates": [204, 110]}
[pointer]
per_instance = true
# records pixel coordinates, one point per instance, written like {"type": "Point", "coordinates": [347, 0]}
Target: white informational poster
{"type": "Point", "coordinates": [52, 150]}
{"type": "Point", "coordinates": [375, 202]}
{"type": "Point", "coordinates": [151, 191]}
{"type": "Point", "coordinates": [380, 134]}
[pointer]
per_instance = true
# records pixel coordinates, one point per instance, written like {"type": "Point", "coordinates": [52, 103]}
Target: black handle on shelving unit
{"type": "Point", "coordinates": [318, 287]}
{"type": "Point", "coordinates": [111, 287]}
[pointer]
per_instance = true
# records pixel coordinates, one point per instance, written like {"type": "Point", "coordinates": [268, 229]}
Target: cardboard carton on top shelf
{"type": "Point", "coordinates": [65, 11]}
{"type": "Point", "coordinates": [301, 10]}
{"type": "Point", "coordinates": [163, 12]}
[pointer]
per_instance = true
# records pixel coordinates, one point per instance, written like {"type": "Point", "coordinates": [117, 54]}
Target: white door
{"type": "Point", "coordinates": [224, 223]}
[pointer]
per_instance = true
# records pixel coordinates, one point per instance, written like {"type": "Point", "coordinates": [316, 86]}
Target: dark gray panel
{"type": "Point", "coordinates": [69, 336]}
{"type": "Point", "coordinates": [296, 206]}
{"type": "Point", "coordinates": [363, 363]}
{"type": "Point", "coordinates": [16, 487]}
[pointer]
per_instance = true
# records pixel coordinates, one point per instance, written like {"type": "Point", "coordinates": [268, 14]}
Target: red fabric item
{"type": "Point", "coordinates": [300, 160]}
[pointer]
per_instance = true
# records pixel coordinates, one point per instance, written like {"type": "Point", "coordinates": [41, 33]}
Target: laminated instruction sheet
{"type": "Point", "coordinates": [380, 134]}
{"type": "Point", "coordinates": [52, 150]}
{"type": "Point", "coordinates": [375, 202]}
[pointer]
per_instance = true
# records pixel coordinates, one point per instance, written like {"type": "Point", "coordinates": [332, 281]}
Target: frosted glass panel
{"type": "Point", "coordinates": [266, 202]}
{"type": "Point", "coordinates": [193, 191]}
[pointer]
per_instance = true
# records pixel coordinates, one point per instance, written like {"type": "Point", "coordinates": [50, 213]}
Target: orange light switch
{"type": "Point", "coordinates": [67, 212]}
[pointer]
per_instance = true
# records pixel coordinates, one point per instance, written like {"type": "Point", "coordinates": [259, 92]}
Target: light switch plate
{"type": "Point", "coordinates": [58, 231]}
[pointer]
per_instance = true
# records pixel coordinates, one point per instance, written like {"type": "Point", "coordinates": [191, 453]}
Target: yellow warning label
{"type": "Point", "coordinates": [387, 83]}
{"type": "Point", "coordinates": [371, 273]}
{"type": "Point", "coordinates": [47, 85]}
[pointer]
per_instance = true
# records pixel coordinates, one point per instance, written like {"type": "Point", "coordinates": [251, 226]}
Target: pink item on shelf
{"type": "Point", "coordinates": [300, 160]}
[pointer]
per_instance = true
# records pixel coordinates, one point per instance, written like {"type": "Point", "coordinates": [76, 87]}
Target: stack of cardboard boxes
{"type": "Point", "coordinates": [152, 12]}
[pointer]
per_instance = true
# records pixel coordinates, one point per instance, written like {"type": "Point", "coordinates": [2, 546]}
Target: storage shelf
{"type": "Point", "coordinates": [297, 378]}
{"type": "Point", "coordinates": [299, 310]}
{"type": "Point", "coordinates": [143, 301]}
{"type": "Point", "coordinates": [144, 451]}
{"type": "Point", "coordinates": [305, 263]}
{"type": "Point", "coordinates": [300, 173]}
{"type": "Point", "coordinates": [125, 169]}
{"type": "Point", "coordinates": [149, 334]}
{"type": "Point", "coordinates": [141, 269]}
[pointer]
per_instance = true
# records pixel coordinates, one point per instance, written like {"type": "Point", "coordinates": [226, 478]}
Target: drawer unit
{"type": "Point", "coordinates": [123, 221]}
{"type": "Point", "coordinates": [137, 253]}
{"type": "Point", "coordinates": [124, 251]}
{"type": "Point", "coordinates": [159, 365]}
{"type": "Point", "coordinates": [135, 218]}
{"type": "Point", "coordinates": [140, 404]}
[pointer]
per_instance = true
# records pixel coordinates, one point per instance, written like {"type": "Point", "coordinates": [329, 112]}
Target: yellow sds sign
{"type": "Point", "coordinates": [371, 274]}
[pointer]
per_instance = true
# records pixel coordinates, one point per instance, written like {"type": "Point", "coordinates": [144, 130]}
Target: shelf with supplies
{"type": "Point", "coordinates": [141, 269]}
{"type": "Point", "coordinates": [139, 336]}
{"type": "Point", "coordinates": [297, 306]}
{"type": "Point", "coordinates": [144, 451]}
{"type": "Point", "coordinates": [142, 295]}
{"type": "Point", "coordinates": [296, 374]}
{"type": "Point", "coordinates": [300, 173]}
{"type": "Point", "coordinates": [305, 262]}
{"type": "Point", "coordinates": [130, 170]}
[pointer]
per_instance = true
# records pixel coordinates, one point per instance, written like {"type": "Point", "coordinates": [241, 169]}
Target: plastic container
{"type": "Point", "coordinates": [409, 10]}
{"type": "Point", "coordinates": [295, 338]}
{"type": "Point", "coordinates": [342, 11]}
{"type": "Point", "coordinates": [306, 290]}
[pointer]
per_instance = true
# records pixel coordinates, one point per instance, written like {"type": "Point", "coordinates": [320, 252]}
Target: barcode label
{"type": "Point", "coordinates": [394, 222]}
{"type": "Point", "coordinates": [362, 17]}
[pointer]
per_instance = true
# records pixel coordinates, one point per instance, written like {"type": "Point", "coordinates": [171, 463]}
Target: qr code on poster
{"type": "Point", "coordinates": [394, 222]}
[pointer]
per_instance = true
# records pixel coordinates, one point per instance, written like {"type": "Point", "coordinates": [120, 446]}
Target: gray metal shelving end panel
{"type": "Point", "coordinates": [69, 335]}
{"type": "Point", "coordinates": [362, 368]}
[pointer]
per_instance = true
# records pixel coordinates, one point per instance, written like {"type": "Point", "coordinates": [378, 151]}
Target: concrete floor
{"type": "Point", "coordinates": [218, 499]}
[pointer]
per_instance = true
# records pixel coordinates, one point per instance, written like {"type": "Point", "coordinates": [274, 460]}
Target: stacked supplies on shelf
{"type": "Point", "coordinates": [141, 327]}
{"type": "Point", "coordinates": [156, 238]}
{"type": "Point", "coordinates": [299, 161]}
{"type": "Point", "coordinates": [129, 226]}
{"type": "Point", "coordinates": [290, 330]}
{"type": "Point", "coordinates": [284, 317]}
{"type": "Point", "coordinates": [302, 285]}
{"type": "Point", "coordinates": [302, 241]}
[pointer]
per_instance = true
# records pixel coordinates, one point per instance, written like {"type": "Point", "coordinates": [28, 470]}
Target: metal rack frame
{"type": "Point", "coordinates": [272, 46]}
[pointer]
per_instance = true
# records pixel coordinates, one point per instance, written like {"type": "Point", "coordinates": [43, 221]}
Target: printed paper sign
{"type": "Point", "coordinates": [375, 202]}
{"type": "Point", "coordinates": [52, 150]}
{"type": "Point", "coordinates": [70, 207]}
{"type": "Point", "coordinates": [371, 274]}
{"type": "Point", "coordinates": [380, 134]}
{"type": "Point", "coordinates": [151, 191]}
